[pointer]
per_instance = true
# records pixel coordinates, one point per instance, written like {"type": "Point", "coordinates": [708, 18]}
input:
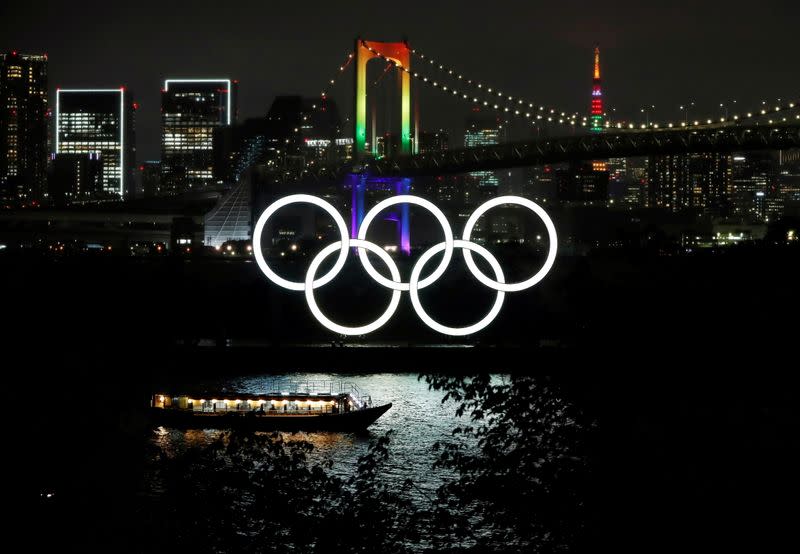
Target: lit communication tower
{"type": "Point", "coordinates": [597, 95]}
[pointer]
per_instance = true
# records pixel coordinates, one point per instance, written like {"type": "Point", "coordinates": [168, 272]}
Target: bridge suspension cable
{"type": "Point", "coordinates": [521, 102]}
{"type": "Point", "coordinates": [338, 74]}
{"type": "Point", "coordinates": [551, 115]}
{"type": "Point", "coordinates": [762, 111]}
{"type": "Point", "coordinates": [492, 98]}
{"type": "Point", "coordinates": [517, 102]}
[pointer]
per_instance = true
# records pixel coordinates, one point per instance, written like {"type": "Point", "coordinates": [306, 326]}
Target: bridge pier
{"type": "Point", "coordinates": [358, 187]}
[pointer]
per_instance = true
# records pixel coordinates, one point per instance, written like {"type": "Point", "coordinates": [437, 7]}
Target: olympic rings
{"type": "Point", "coordinates": [293, 199]}
{"type": "Point", "coordinates": [407, 199]}
{"type": "Point", "coordinates": [396, 285]}
{"type": "Point", "coordinates": [551, 233]}
{"type": "Point", "coordinates": [414, 290]}
{"type": "Point", "coordinates": [335, 327]}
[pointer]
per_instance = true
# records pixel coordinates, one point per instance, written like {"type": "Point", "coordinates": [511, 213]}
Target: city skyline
{"type": "Point", "coordinates": [649, 57]}
{"type": "Point", "coordinates": [416, 277]}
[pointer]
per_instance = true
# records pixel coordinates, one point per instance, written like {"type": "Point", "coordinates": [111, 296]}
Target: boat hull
{"type": "Point", "coordinates": [357, 420]}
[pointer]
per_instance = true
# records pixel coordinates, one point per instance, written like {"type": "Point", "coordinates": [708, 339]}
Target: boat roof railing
{"type": "Point", "coordinates": [312, 386]}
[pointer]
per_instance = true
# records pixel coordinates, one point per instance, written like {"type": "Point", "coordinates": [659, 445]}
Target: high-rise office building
{"type": "Point", "coordinates": [74, 177]}
{"type": "Point", "coordinates": [697, 182]}
{"type": "Point", "coordinates": [99, 122]}
{"type": "Point", "coordinates": [304, 130]}
{"type": "Point", "coordinates": [787, 187]}
{"type": "Point", "coordinates": [483, 130]}
{"type": "Point", "coordinates": [540, 183]}
{"type": "Point", "coordinates": [238, 147]}
{"type": "Point", "coordinates": [191, 110]}
{"type": "Point", "coordinates": [754, 175]}
{"type": "Point", "coordinates": [23, 126]}
{"type": "Point", "coordinates": [582, 183]}
{"type": "Point", "coordinates": [433, 142]}
{"type": "Point", "coordinates": [150, 178]}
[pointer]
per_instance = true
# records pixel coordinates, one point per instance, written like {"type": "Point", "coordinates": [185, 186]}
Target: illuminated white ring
{"type": "Point", "coordinates": [341, 329]}
{"type": "Point", "coordinates": [293, 199]}
{"type": "Point", "coordinates": [455, 331]}
{"type": "Point", "coordinates": [551, 254]}
{"type": "Point", "coordinates": [406, 199]}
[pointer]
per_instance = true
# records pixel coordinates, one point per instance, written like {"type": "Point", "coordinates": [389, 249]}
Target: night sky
{"type": "Point", "coordinates": [664, 53]}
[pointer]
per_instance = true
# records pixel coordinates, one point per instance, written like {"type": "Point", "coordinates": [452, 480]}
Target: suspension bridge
{"type": "Point", "coordinates": [573, 137]}
{"type": "Point", "coordinates": [591, 137]}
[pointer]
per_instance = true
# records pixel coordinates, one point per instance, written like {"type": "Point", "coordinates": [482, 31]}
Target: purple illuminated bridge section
{"type": "Point", "coordinates": [359, 184]}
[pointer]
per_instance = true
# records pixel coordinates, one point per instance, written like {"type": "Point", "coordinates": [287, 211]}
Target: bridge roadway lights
{"type": "Point", "coordinates": [586, 147]}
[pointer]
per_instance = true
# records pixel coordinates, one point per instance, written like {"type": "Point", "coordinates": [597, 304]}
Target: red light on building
{"type": "Point", "coordinates": [597, 95]}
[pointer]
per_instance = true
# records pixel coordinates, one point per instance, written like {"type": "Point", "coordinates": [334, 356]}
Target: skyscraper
{"type": "Point", "coordinates": [99, 121]}
{"type": "Point", "coordinates": [596, 111]}
{"type": "Point", "coordinates": [754, 175]}
{"type": "Point", "coordinates": [23, 126]}
{"type": "Point", "coordinates": [482, 131]}
{"type": "Point", "coordinates": [191, 109]}
{"type": "Point", "coordinates": [74, 177]}
{"type": "Point", "coordinates": [301, 130]}
{"type": "Point", "coordinates": [699, 182]}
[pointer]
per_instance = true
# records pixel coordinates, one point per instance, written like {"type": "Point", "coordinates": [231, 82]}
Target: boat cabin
{"type": "Point", "coordinates": [267, 404]}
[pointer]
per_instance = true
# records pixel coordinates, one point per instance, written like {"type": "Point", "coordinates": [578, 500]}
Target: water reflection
{"type": "Point", "coordinates": [418, 419]}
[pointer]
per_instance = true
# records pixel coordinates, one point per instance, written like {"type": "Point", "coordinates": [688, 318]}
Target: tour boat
{"type": "Point", "coordinates": [319, 406]}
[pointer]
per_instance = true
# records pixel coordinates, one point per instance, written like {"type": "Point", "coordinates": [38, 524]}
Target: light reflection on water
{"type": "Point", "coordinates": [418, 419]}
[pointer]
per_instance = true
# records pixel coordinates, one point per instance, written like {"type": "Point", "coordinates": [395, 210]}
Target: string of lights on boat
{"type": "Point", "coordinates": [541, 113]}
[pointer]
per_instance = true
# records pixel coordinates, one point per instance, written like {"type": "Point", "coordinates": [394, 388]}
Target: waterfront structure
{"type": "Point", "coordinates": [191, 111]}
{"type": "Point", "coordinates": [231, 217]}
{"type": "Point", "coordinates": [100, 122]}
{"type": "Point", "coordinates": [23, 126]}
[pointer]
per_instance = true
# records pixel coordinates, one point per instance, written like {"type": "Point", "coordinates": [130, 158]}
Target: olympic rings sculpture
{"type": "Point", "coordinates": [415, 282]}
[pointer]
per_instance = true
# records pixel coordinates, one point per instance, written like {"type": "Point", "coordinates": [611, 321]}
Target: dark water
{"type": "Point", "coordinates": [417, 420]}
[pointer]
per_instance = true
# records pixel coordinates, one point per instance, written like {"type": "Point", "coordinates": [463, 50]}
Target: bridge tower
{"type": "Point", "coordinates": [400, 53]}
{"type": "Point", "coordinates": [597, 95]}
